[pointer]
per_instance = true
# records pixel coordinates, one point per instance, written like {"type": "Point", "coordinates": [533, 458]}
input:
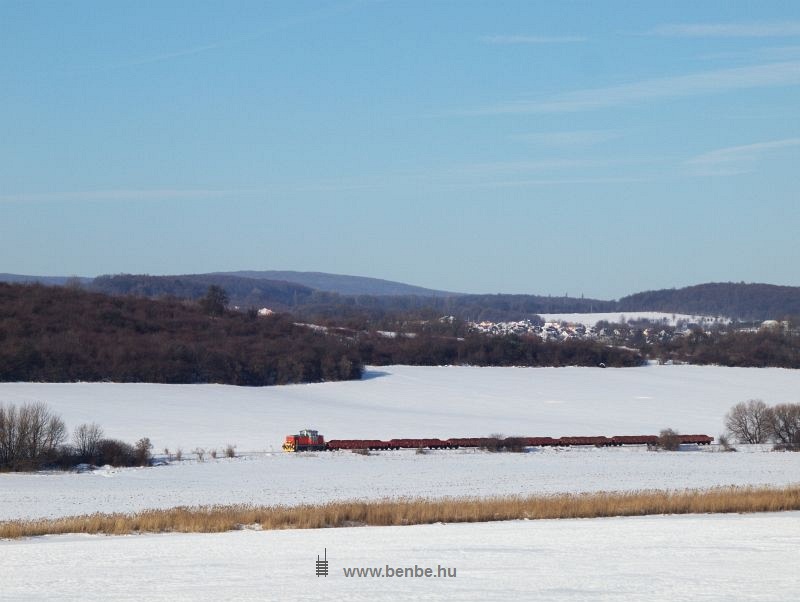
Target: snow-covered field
{"type": "Point", "coordinates": [590, 319]}
{"type": "Point", "coordinates": [410, 401]}
{"type": "Point", "coordinates": [660, 558]}
{"type": "Point", "coordinates": [279, 478]}
{"type": "Point", "coordinates": [711, 557]}
{"type": "Point", "coordinates": [401, 401]}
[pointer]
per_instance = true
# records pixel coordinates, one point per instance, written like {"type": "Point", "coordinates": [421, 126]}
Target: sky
{"type": "Point", "coordinates": [595, 148]}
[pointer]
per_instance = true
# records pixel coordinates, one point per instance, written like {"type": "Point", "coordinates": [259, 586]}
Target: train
{"type": "Point", "coordinates": [311, 440]}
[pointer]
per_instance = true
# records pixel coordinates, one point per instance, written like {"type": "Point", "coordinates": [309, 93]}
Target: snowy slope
{"type": "Point", "coordinates": [407, 401]}
{"type": "Point", "coordinates": [590, 319]}
{"type": "Point", "coordinates": [657, 558]}
{"type": "Point", "coordinates": [305, 478]}
{"type": "Point", "coordinates": [402, 401]}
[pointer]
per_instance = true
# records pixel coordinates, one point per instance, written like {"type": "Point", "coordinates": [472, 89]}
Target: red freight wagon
{"type": "Point", "coordinates": [634, 440]}
{"type": "Point", "coordinates": [539, 441]}
{"type": "Point", "coordinates": [567, 441]}
{"type": "Point", "coordinates": [698, 439]}
{"type": "Point", "coordinates": [335, 444]}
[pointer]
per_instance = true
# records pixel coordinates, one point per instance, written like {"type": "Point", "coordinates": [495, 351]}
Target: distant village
{"type": "Point", "coordinates": [635, 332]}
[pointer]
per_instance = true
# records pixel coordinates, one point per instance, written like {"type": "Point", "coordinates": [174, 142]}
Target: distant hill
{"type": "Point", "coordinates": [735, 300]}
{"type": "Point", "coordinates": [244, 292]}
{"type": "Point", "coordinates": [312, 295]}
{"type": "Point", "coordinates": [344, 285]}
{"type": "Point", "coordinates": [67, 334]}
{"type": "Point", "coordinates": [49, 280]}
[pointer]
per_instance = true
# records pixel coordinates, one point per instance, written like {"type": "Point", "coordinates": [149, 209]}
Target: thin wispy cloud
{"type": "Point", "coordinates": [680, 86]}
{"type": "Point", "coordinates": [164, 194]}
{"type": "Point", "coordinates": [568, 139]}
{"type": "Point", "coordinates": [769, 53]}
{"type": "Point", "coordinates": [564, 181]}
{"type": "Point", "coordinates": [529, 39]}
{"type": "Point", "coordinates": [755, 29]}
{"type": "Point", "coordinates": [297, 20]}
{"type": "Point", "coordinates": [493, 167]}
{"type": "Point", "coordinates": [167, 56]}
{"type": "Point", "coordinates": [734, 160]}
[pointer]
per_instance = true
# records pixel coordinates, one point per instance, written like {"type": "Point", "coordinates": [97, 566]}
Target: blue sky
{"type": "Point", "coordinates": [596, 148]}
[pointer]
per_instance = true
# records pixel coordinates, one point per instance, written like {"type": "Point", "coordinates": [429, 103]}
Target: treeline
{"type": "Point", "coordinates": [765, 348]}
{"type": "Point", "coordinates": [63, 334]}
{"type": "Point", "coordinates": [735, 300]}
{"type": "Point", "coordinates": [33, 437]}
{"type": "Point", "coordinates": [484, 350]}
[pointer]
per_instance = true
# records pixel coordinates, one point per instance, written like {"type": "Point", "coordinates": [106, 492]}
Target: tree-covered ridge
{"type": "Point", "coordinates": [56, 334]}
{"type": "Point", "coordinates": [735, 300]}
{"type": "Point", "coordinates": [252, 289]}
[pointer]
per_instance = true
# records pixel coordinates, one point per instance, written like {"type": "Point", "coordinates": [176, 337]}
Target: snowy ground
{"type": "Point", "coordinates": [711, 557]}
{"type": "Point", "coordinates": [279, 478]}
{"type": "Point", "coordinates": [408, 401]}
{"type": "Point", "coordinates": [660, 558]}
{"type": "Point", "coordinates": [400, 401]}
{"type": "Point", "coordinates": [590, 319]}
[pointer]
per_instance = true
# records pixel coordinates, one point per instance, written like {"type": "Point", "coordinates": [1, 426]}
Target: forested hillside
{"type": "Point", "coordinates": [56, 334]}
{"type": "Point", "coordinates": [735, 300]}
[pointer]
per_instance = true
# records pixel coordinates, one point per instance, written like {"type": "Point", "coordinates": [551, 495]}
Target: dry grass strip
{"type": "Point", "coordinates": [415, 511]}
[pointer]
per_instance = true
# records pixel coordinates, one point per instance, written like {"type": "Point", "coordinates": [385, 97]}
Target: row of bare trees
{"type": "Point", "coordinates": [29, 435]}
{"type": "Point", "coordinates": [32, 436]}
{"type": "Point", "coordinates": [753, 421]}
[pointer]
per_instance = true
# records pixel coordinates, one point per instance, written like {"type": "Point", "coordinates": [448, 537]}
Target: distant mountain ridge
{"type": "Point", "coordinates": [49, 280]}
{"type": "Point", "coordinates": [342, 284]}
{"type": "Point", "coordinates": [313, 294]}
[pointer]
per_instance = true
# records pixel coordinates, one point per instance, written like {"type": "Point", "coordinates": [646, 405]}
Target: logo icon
{"type": "Point", "coordinates": [322, 565]}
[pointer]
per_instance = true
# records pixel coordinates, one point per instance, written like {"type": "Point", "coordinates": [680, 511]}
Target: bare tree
{"type": "Point", "coordinates": [785, 424]}
{"type": "Point", "coordinates": [750, 421]}
{"type": "Point", "coordinates": [29, 435]}
{"type": "Point", "coordinates": [142, 450]}
{"type": "Point", "coordinates": [86, 438]}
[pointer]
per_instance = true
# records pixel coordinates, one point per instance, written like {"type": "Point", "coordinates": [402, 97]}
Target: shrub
{"type": "Point", "coordinates": [116, 453]}
{"type": "Point", "coordinates": [214, 453]}
{"type": "Point", "coordinates": [494, 442]}
{"type": "Point", "coordinates": [669, 440]}
{"type": "Point", "coordinates": [230, 451]}
{"type": "Point", "coordinates": [200, 453]}
{"type": "Point", "coordinates": [514, 444]}
{"type": "Point", "coordinates": [725, 444]}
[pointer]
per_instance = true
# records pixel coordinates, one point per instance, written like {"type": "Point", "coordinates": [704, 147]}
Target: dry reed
{"type": "Point", "coordinates": [415, 511]}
